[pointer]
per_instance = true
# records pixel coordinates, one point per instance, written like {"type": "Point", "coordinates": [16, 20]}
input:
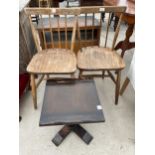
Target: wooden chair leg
{"type": "Point", "coordinates": [33, 90]}
{"type": "Point", "coordinates": [117, 87]}
{"type": "Point", "coordinates": [73, 75]}
{"type": "Point", "coordinates": [103, 74]}
{"type": "Point", "coordinates": [125, 84]}
{"type": "Point", "coordinates": [47, 76]}
{"type": "Point", "coordinates": [80, 74]}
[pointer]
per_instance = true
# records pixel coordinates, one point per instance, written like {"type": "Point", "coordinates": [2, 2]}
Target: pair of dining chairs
{"type": "Point", "coordinates": [54, 58]}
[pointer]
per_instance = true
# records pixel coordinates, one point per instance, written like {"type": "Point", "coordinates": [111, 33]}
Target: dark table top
{"type": "Point", "coordinates": [71, 103]}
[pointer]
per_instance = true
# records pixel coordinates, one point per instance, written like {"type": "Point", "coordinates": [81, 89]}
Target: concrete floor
{"type": "Point", "coordinates": [114, 137]}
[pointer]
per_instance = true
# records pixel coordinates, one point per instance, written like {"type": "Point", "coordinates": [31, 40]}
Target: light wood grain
{"type": "Point", "coordinates": [35, 36]}
{"type": "Point", "coordinates": [75, 10]}
{"type": "Point", "coordinates": [70, 23]}
{"type": "Point", "coordinates": [98, 58]}
{"type": "Point", "coordinates": [53, 61]}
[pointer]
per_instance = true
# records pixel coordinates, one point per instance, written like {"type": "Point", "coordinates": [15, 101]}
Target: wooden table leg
{"type": "Point", "coordinates": [126, 44]}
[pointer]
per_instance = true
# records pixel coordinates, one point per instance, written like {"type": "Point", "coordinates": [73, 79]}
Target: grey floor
{"type": "Point", "coordinates": [114, 137]}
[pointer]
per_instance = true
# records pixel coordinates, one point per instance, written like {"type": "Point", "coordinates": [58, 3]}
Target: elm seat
{"type": "Point", "coordinates": [53, 61]}
{"type": "Point", "coordinates": [98, 58]}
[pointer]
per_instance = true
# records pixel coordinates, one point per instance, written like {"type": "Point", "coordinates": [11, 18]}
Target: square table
{"type": "Point", "coordinates": [70, 102]}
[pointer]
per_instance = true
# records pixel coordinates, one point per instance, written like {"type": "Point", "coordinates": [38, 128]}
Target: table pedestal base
{"type": "Point", "coordinates": [76, 128]}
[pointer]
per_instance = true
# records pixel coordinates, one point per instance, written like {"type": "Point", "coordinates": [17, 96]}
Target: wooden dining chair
{"type": "Point", "coordinates": [52, 60]}
{"type": "Point", "coordinates": [103, 57]}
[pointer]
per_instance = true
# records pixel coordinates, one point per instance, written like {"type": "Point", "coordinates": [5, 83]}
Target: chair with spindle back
{"type": "Point", "coordinates": [102, 57]}
{"type": "Point", "coordinates": [53, 60]}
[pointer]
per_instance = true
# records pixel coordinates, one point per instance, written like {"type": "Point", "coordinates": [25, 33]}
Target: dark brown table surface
{"type": "Point", "coordinates": [71, 103]}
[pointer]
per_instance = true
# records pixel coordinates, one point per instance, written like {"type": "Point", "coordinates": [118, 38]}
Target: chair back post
{"type": "Point", "coordinates": [74, 34]}
{"type": "Point", "coordinates": [117, 31]}
{"type": "Point", "coordinates": [35, 35]}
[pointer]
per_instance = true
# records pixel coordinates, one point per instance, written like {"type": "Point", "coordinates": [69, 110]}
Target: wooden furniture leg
{"type": "Point", "coordinates": [82, 133]}
{"type": "Point", "coordinates": [73, 75]}
{"type": "Point", "coordinates": [77, 129]}
{"type": "Point", "coordinates": [103, 74]}
{"type": "Point", "coordinates": [33, 90]}
{"type": "Point", "coordinates": [117, 87]}
{"type": "Point", "coordinates": [61, 135]}
{"type": "Point", "coordinates": [126, 44]}
{"type": "Point", "coordinates": [80, 74]}
{"type": "Point", "coordinates": [40, 80]}
{"type": "Point", "coordinates": [125, 84]}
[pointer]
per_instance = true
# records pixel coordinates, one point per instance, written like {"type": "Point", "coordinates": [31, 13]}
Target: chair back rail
{"type": "Point", "coordinates": [58, 19]}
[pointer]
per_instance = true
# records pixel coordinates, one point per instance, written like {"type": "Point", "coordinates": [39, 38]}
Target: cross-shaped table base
{"type": "Point", "coordinates": [66, 130]}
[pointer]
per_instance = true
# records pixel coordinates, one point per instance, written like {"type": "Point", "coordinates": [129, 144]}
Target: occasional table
{"type": "Point", "coordinates": [70, 103]}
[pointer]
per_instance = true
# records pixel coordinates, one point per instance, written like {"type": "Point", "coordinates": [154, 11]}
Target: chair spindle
{"type": "Point", "coordinates": [44, 38]}
{"type": "Point", "coordinates": [66, 38]}
{"type": "Point", "coordinates": [93, 26]}
{"type": "Point", "coordinates": [107, 29]}
{"type": "Point", "coordinates": [59, 37]}
{"type": "Point", "coordinates": [51, 31]}
{"type": "Point", "coordinates": [86, 26]}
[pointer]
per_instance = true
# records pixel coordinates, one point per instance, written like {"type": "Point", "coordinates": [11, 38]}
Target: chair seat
{"type": "Point", "coordinates": [99, 58]}
{"type": "Point", "coordinates": [53, 61]}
